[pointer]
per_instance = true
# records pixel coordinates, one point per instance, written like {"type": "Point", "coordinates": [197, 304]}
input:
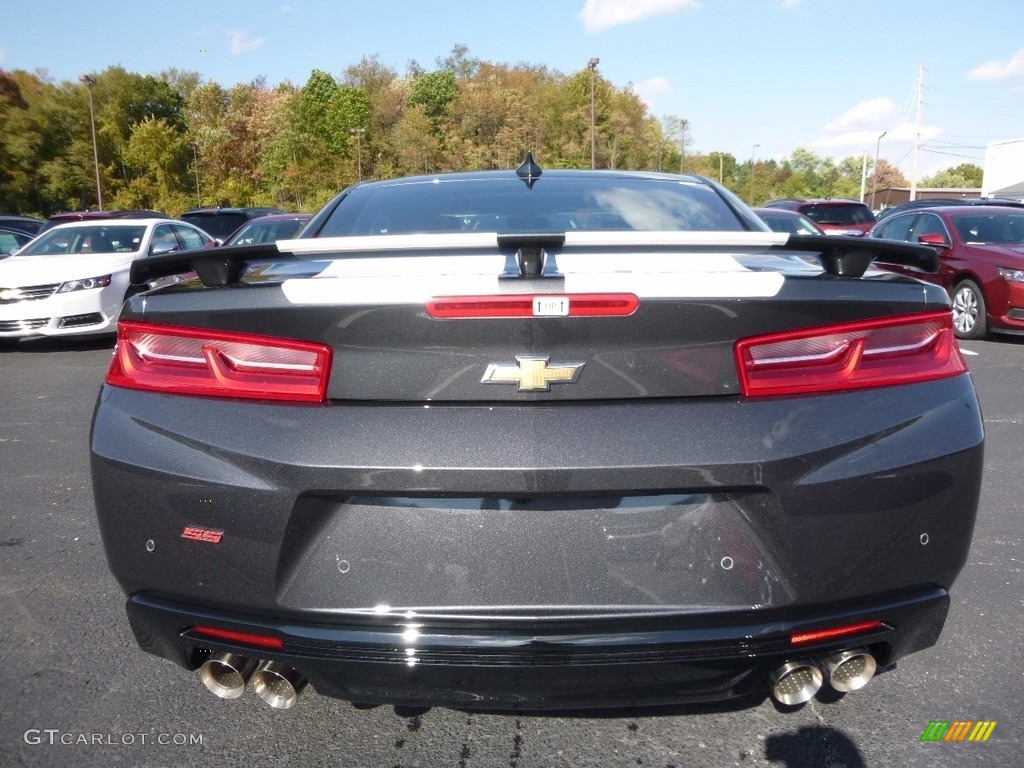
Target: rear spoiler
{"type": "Point", "coordinates": [838, 256]}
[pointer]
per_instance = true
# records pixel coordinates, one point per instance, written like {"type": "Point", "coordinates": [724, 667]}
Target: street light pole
{"type": "Point", "coordinates": [874, 175]}
{"type": "Point", "coordinates": [358, 133]}
{"type": "Point", "coordinates": [753, 163]}
{"type": "Point", "coordinates": [89, 83]}
{"type": "Point", "coordinates": [195, 155]}
{"type": "Point", "coordinates": [592, 66]}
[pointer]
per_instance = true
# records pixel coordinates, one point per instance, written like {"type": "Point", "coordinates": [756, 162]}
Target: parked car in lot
{"type": "Point", "coordinates": [836, 216]}
{"type": "Point", "coordinates": [791, 222]}
{"type": "Point", "coordinates": [558, 439]}
{"type": "Point", "coordinates": [269, 229]}
{"type": "Point", "coordinates": [933, 203]}
{"type": "Point", "coordinates": [221, 223]}
{"type": "Point", "coordinates": [981, 261]}
{"type": "Point", "coordinates": [69, 216]}
{"type": "Point", "coordinates": [73, 278]}
{"type": "Point", "coordinates": [27, 224]}
{"type": "Point", "coordinates": [11, 240]}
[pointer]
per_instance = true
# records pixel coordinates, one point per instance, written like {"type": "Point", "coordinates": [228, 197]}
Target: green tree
{"type": "Point", "coordinates": [963, 176]}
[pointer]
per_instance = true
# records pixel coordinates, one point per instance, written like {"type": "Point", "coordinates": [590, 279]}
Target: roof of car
{"type": "Point", "coordinates": [119, 222]}
{"type": "Point", "coordinates": [213, 211]}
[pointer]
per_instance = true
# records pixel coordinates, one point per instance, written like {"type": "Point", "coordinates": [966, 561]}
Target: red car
{"type": "Point", "coordinates": [835, 215]}
{"type": "Point", "coordinates": [981, 262]}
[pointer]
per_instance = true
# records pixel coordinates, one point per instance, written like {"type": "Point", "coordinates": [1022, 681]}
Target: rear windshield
{"type": "Point", "coordinates": [554, 204]}
{"type": "Point", "coordinates": [838, 213]}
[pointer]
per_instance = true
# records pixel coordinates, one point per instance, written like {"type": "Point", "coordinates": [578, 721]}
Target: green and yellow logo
{"type": "Point", "coordinates": [958, 730]}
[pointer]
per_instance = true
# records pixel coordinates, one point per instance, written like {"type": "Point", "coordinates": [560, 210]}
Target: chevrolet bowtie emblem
{"type": "Point", "coordinates": [532, 374]}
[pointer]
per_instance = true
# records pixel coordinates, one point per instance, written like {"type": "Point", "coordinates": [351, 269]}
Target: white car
{"type": "Point", "coordinates": [73, 279]}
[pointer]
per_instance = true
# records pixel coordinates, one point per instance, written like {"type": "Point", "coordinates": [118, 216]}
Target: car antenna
{"type": "Point", "coordinates": [529, 171]}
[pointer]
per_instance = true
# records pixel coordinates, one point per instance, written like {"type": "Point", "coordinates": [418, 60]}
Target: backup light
{"type": "Point", "coordinates": [192, 361]}
{"type": "Point", "coordinates": [872, 353]}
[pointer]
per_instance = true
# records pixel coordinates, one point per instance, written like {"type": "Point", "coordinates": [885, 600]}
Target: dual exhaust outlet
{"type": "Point", "coordinates": [795, 682]}
{"type": "Point", "coordinates": [799, 680]}
{"type": "Point", "coordinates": [226, 675]}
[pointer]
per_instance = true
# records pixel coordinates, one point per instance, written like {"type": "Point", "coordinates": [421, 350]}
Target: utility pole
{"type": "Point", "coordinates": [89, 83]}
{"type": "Point", "coordinates": [682, 142]}
{"type": "Point", "coordinates": [753, 163]}
{"type": "Point", "coordinates": [592, 66]}
{"type": "Point", "coordinates": [917, 131]}
{"type": "Point", "coordinates": [874, 176]}
{"type": "Point", "coordinates": [358, 133]}
{"type": "Point", "coordinates": [195, 156]}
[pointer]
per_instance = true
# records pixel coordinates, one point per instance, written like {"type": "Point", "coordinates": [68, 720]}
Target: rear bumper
{"type": "Point", "coordinates": [543, 664]}
{"type": "Point", "coordinates": [539, 557]}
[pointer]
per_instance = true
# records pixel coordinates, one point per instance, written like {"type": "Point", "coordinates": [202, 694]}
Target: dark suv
{"type": "Point", "coordinates": [221, 223]}
{"type": "Point", "coordinates": [836, 216]}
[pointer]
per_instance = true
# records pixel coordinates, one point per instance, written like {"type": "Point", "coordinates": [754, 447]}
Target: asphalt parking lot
{"type": "Point", "coordinates": [74, 690]}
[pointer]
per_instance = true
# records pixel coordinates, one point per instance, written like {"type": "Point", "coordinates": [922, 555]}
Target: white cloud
{"type": "Point", "coordinates": [242, 41]}
{"type": "Point", "coordinates": [867, 115]}
{"type": "Point", "coordinates": [602, 14]}
{"type": "Point", "coordinates": [861, 126]}
{"type": "Point", "coordinates": [289, 8]}
{"type": "Point", "coordinates": [649, 90]}
{"type": "Point", "coordinates": [995, 70]}
{"type": "Point", "coordinates": [789, 4]}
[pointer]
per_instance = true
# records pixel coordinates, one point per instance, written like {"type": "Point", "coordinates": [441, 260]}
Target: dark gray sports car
{"type": "Point", "coordinates": [537, 440]}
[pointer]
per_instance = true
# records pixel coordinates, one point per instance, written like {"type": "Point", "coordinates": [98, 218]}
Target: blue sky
{"type": "Point", "coordinates": [828, 75]}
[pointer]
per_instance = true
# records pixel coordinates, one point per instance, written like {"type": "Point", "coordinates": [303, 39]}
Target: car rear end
{"type": "Point", "coordinates": [839, 217]}
{"type": "Point", "coordinates": [646, 474]}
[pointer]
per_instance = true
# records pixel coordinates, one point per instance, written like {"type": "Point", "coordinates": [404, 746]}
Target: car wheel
{"type": "Point", "coordinates": [969, 319]}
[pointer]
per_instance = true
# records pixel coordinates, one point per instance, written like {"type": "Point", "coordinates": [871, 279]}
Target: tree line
{"type": "Point", "coordinates": [175, 141]}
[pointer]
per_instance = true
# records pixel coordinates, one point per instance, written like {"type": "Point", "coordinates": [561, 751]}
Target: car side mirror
{"type": "Point", "coordinates": [936, 240]}
{"type": "Point", "coordinates": [161, 248]}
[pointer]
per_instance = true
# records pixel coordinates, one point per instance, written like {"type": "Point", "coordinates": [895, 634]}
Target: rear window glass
{"type": "Point", "coordinates": [838, 213]}
{"type": "Point", "coordinates": [554, 204]}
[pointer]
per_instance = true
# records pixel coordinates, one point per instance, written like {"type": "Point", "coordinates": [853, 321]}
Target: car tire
{"type": "Point", "coordinates": [969, 318]}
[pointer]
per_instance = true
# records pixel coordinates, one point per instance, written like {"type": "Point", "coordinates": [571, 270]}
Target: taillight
{"type": "Point", "coordinates": [191, 361]}
{"type": "Point", "coordinates": [871, 353]}
{"type": "Point", "coordinates": [533, 305]}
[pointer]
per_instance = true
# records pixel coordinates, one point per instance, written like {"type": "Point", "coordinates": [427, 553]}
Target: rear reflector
{"type": "Point", "coordinates": [820, 636]}
{"type": "Point", "coordinates": [872, 353]}
{"type": "Point", "coordinates": [191, 361]}
{"type": "Point", "coordinates": [228, 635]}
{"type": "Point", "coordinates": [534, 305]}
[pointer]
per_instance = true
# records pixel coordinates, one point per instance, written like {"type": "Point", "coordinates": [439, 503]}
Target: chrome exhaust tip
{"type": "Point", "coordinates": [796, 682]}
{"type": "Point", "coordinates": [277, 684]}
{"type": "Point", "coordinates": [225, 674]}
{"type": "Point", "coordinates": [849, 670]}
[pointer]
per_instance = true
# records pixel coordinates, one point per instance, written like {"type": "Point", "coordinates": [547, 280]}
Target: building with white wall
{"type": "Point", "coordinates": [1004, 169]}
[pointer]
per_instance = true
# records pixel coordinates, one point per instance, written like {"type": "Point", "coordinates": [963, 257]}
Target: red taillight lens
{"type": "Point", "coordinates": [538, 305]}
{"type": "Point", "coordinates": [873, 353]}
{"type": "Point", "coordinates": [190, 361]}
{"type": "Point", "coordinates": [248, 638]}
{"type": "Point", "coordinates": [799, 638]}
